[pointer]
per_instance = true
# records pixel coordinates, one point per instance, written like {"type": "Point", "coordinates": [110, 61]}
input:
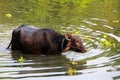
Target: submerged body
{"type": "Point", "coordinates": [43, 41]}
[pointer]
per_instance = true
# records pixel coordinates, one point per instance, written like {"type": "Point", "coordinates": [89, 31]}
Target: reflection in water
{"type": "Point", "coordinates": [89, 19]}
{"type": "Point", "coordinates": [34, 64]}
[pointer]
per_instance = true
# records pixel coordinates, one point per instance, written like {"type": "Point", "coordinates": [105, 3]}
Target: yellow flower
{"type": "Point", "coordinates": [73, 62]}
{"type": "Point", "coordinates": [21, 59]}
{"type": "Point", "coordinates": [8, 15]}
{"type": "Point", "coordinates": [70, 71]}
{"type": "Point", "coordinates": [107, 43]}
{"type": "Point", "coordinates": [105, 36]}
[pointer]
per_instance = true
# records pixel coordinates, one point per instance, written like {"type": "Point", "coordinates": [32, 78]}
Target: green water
{"type": "Point", "coordinates": [96, 22]}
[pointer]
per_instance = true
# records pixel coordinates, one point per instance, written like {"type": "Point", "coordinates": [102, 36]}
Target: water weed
{"type": "Point", "coordinates": [71, 68]}
{"type": "Point", "coordinates": [105, 43]}
{"type": "Point", "coordinates": [21, 60]}
{"type": "Point", "coordinates": [8, 15]}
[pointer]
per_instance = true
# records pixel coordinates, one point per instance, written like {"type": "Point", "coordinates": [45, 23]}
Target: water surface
{"type": "Point", "coordinates": [91, 20]}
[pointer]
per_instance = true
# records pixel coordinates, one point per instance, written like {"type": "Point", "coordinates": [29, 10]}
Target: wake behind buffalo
{"type": "Point", "coordinates": [44, 41]}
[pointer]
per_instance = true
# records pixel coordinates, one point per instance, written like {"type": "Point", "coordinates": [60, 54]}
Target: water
{"type": "Point", "coordinates": [82, 18]}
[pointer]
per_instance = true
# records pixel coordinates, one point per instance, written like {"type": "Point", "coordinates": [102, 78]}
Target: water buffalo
{"type": "Point", "coordinates": [43, 41]}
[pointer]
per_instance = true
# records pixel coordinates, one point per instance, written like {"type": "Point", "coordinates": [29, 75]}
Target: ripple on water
{"type": "Point", "coordinates": [96, 66]}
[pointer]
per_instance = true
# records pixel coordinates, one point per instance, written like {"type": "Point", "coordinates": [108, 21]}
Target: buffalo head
{"type": "Point", "coordinates": [74, 43]}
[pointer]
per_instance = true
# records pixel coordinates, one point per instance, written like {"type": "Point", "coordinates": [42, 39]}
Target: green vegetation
{"type": "Point", "coordinates": [21, 61]}
{"type": "Point", "coordinates": [105, 44]}
{"type": "Point", "coordinates": [8, 15]}
{"type": "Point", "coordinates": [71, 68]}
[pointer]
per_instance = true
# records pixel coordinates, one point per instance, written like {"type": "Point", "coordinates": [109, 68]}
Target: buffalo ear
{"type": "Point", "coordinates": [68, 36]}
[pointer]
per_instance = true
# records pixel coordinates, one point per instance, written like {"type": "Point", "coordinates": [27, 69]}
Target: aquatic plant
{"type": "Point", "coordinates": [21, 60]}
{"type": "Point", "coordinates": [71, 69]}
{"type": "Point", "coordinates": [8, 15]}
{"type": "Point", "coordinates": [105, 43]}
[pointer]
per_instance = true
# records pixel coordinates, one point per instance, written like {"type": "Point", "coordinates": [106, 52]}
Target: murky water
{"type": "Point", "coordinates": [99, 63]}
